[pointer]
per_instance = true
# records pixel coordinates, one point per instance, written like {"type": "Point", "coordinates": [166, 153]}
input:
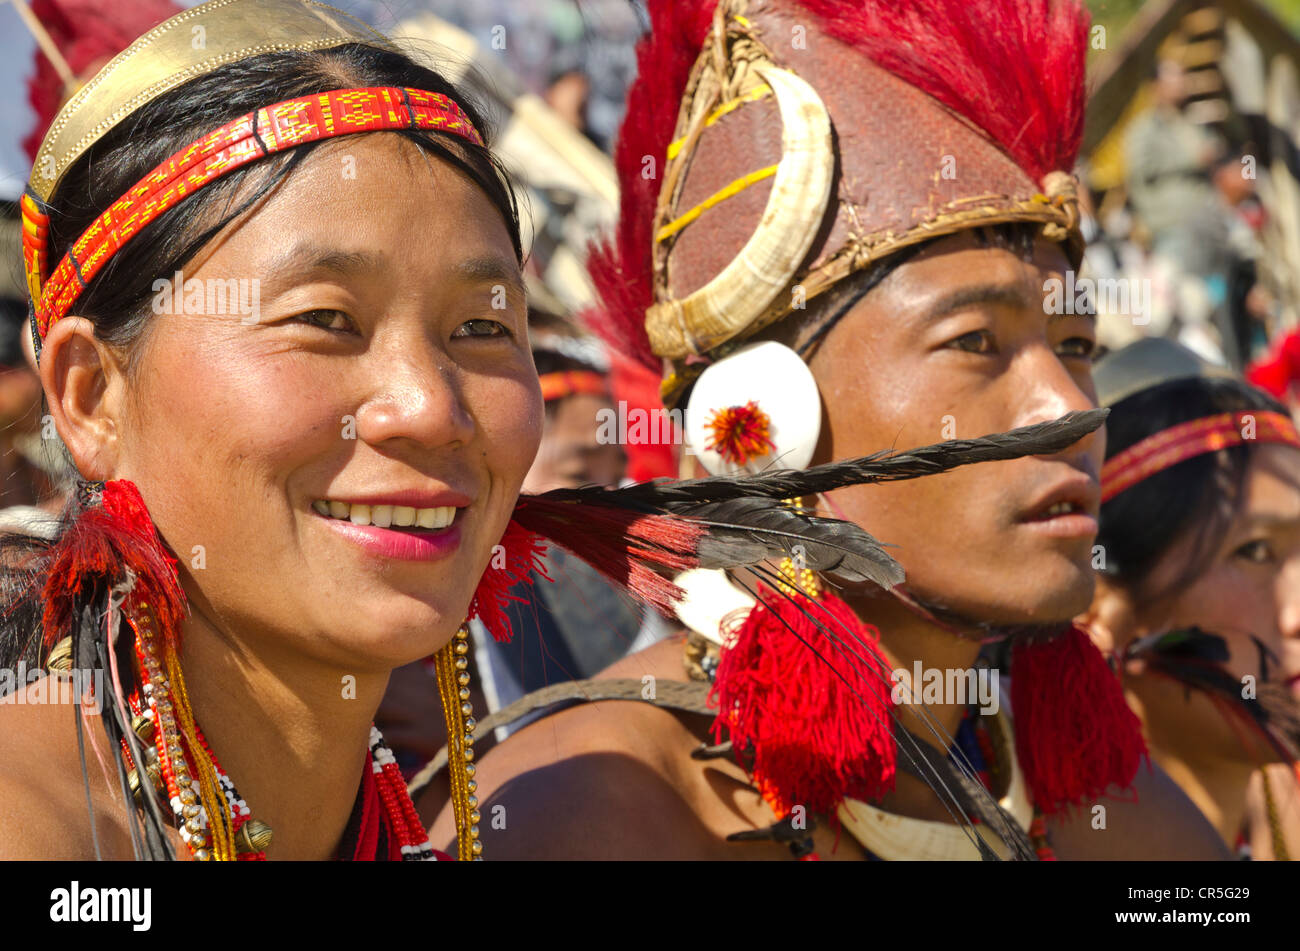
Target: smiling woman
{"type": "Point", "coordinates": [331, 451]}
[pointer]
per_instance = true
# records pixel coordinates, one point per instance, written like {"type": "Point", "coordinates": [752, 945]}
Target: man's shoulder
{"type": "Point", "coordinates": [602, 779]}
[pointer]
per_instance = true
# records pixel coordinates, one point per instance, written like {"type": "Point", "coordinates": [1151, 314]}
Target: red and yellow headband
{"type": "Point", "coordinates": [253, 136]}
{"type": "Point", "coordinates": [1182, 442]}
{"type": "Point", "coordinates": [564, 383]}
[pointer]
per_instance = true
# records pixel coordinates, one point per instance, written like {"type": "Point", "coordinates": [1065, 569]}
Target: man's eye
{"type": "Point", "coordinates": [977, 341]}
{"type": "Point", "coordinates": [1077, 347]}
{"type": "Point", "coordinates": [1258, 551]}
{"type": "Point", "coordinates": [482, 327]}
{"type": "Point", "coordinates": [334, 320]}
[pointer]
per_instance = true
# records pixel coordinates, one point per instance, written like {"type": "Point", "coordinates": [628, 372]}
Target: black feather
{"type": "Point", "coordinates": [1040, 439]}
{"type": "Point", "coordinates": [746, 531]}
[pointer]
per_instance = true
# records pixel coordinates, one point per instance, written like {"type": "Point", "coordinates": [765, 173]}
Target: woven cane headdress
{"type": "Point", "coordinates": [815, 137]}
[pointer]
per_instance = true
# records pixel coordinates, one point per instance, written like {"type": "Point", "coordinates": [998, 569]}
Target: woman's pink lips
{"type": "Point", "coordinates": [421, 545]}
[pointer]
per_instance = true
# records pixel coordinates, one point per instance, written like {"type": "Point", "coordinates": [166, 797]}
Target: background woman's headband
{"type": "Point", "coordinates": [1179, 443]}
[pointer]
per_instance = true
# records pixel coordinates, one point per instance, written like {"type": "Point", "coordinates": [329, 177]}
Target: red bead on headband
{"type": "Point", "coordinates": [1179, 443]}
{"type": "Point", "coordinates": [256, 135]}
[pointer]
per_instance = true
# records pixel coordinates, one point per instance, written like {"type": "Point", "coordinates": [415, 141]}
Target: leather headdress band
{"type": "Point", "coordinates": [253, 136]}
{"type": "Point", "coordinates": [1182, 442]}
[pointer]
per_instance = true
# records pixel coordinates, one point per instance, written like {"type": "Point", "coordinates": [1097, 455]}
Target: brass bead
{"type": "Point", "coordinates": [473, 802]}
{"type": "Point", "coordinates": [474, 816]}
{"type": "Point", "coordinates": [192, 825]}
{"type": "Point", "coordinates": [460, 647]}
{"type": "Point", "coordinates": [198, 841]}
{"type": "Point", "coordinates": [189, 812]}
{"type": "Point", "coordinates": [133, 780]}
{"type": "Point", "coordinates": [462, 678]}
{"type": "Point", "coordinates": [202, 855]}
{"type": "Point", "coordinates": [470, 723]}
{"type": "Point", "coordinates": [471, 785]}
{"type": "Point", "coordinates": [461, 663]}
{"type": "Point", "coordinates": [476, 847]}
{"type": "Point", "coordinates": [60, 657]}
{"type": "Point", "coordinates": [143, 727]}
{"type": "Point", "coordinates": [464, 693]}
{"type": "Point", "coordinates": [473, 832]}
{"type": "Point", "coordinates": [469, 771]}
{"type": "Point", "coordinates": [466, 709]}
{"type": "Point", "coordinates": [469, 754]}
{"type": "Point", "coordinates": [187, 797]}
{"type": "Point", "coordinates": [253, 836]}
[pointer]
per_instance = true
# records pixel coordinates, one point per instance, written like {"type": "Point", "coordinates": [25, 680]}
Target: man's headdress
{"type": "Point", "coordinates": [774, 147]}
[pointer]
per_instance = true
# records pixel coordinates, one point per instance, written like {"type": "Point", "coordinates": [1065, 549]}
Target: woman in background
{"type": "Point", "coordinates": [1199, 588]}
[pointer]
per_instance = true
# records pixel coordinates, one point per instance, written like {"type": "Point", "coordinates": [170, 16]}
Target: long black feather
{"type": "Point", "coordinates": [1040, 439]}
{"type": "Point", "coordinates": [746, 531]}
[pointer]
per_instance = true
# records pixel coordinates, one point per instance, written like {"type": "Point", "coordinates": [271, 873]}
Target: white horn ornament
{"type": "Point", "coordinates": [750, 282]}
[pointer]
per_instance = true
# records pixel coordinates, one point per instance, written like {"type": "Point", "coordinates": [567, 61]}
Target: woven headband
{"type": "Point", "coordinates": [1182, 442]}
{"type": "Point", "coordinates": [254, 136]}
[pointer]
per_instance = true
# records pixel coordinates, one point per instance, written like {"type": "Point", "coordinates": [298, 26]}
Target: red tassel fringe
{"type": "Point", "coordinates": [104, 543]}
{"type": "Point", "coordinates": [1075, 735]}
{"type": "Point", "coordinates": [523, 555]}
{"type": "Point", "coordinates": [816, 737]}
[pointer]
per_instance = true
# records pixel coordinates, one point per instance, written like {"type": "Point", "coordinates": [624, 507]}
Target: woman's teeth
{"type": "Point", "coordinates": [386, 516]}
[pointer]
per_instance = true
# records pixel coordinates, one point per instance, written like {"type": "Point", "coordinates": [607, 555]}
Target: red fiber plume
{"type": "Point", "coordinates": [620, 267]}
{"type": "Point", "coordinates": [1014, 68]}
{"type": "Point", "coordinates": [815, 737]}
{"type": "Point", "coordinates": [630, 548]}
{"type": "Point", "coordinates": [1076, 737]}
{"type": "Point", "coordinates": [100, 546]}
{"type": "Point", "coordinates": [520, 553]}
{"type": "Point", "coordinates": [88, 33]}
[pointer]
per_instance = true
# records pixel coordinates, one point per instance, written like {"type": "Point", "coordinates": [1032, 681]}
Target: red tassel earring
{"type": "Point", "coordinates": [818, 730]}
{"type": "Point", "coordinates": [1076, 737]}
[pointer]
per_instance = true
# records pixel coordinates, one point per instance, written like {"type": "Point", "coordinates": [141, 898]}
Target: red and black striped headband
{"type": "Point", "coordinates": [1182, 442]}
{"type": "Point", "coordinates": [266, 131]}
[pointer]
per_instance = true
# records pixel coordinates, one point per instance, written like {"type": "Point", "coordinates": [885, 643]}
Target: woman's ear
{"type": "Point", "coordinates": [84, 385]}
{"type": "Point", "coordinates": [1112, 619]}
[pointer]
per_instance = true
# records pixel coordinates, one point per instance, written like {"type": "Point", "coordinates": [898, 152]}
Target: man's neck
{"type": "Point", "coordinates": [290, 732]}
{"type": "Point", "coordinates": [907, 638]}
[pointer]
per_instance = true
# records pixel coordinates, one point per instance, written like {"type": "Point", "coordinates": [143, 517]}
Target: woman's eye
{"type": "Point", "coordinates": [334, 320]}
{"type": "Point", "coordinates": [482, 327]}
{"type": "Point", "coordinates": [977, 341]}
{"type": "Point", "coordinates": [1258, 551]}
{"type": "Point", "coordinates": [1077, 347]}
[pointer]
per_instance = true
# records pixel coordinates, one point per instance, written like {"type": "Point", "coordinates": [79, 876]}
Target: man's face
{"type": "Point", "coordinates": [955, 343]}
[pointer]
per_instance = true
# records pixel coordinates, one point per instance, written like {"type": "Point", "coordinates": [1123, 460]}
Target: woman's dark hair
{"type": "Point", "coordinates": [116, 300]}
{"type": "Point", "coordinates": [1192, 503]}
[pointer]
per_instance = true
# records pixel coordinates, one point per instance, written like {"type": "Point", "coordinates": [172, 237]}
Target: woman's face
{"type": "Point", "coordinates": [1250, 596]}
{"type": "Point", "coordinates": [386, 365]}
